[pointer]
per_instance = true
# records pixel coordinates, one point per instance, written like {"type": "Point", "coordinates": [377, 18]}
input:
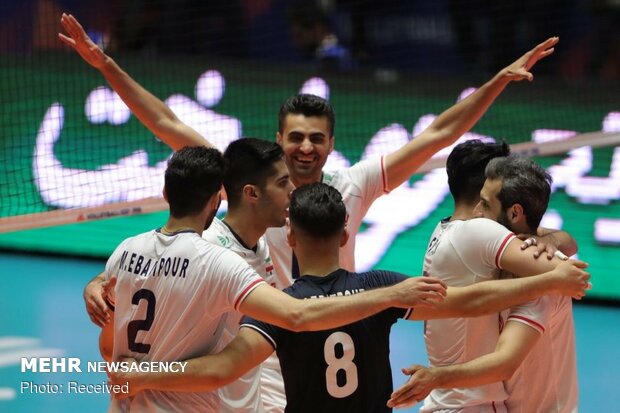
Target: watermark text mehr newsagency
{"type": "Point", "coordinates": [74, 364]}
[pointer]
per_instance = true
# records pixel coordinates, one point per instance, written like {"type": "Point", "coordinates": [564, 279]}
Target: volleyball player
{"type": "Point", "coordinates": [258, 188]}
{"type": "Point", "coordinates": [463, 251]}
{"type": "Point", "coordinates": [173, 287]}
{"type": "Point", "coordinates": [535, 353]}
{"type": "Point", "coordinates": [345, 369]}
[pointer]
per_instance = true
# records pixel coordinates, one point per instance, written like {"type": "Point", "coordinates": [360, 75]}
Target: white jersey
{"type": "Point", "coordinates": [462, 253]}
{"type": "Point", "coordinates": [546, 381]}
{"type": "Point", "coordinates": [244, 394]}
{"type": "Point", "coordinates": [359, 186]}
{"type": "Point", "coordinates": [170, 295]}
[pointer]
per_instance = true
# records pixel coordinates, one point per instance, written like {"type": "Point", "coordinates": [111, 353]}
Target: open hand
{"type": "Point", "coordinates": [79, 40]}
{"type": "Point", "coordinates": [420, 292]}
{"type": "Point", "coordinates": [418, 386]}
{"type": "Point", "coordinates": [520, 68]}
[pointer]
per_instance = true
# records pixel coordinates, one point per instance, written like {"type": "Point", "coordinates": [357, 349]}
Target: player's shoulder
{"type": "Point", "coordinates": [378, 278]}
{"type": "Point", "coordinates": [473, 230]}
{"type": "Point", "coordinates": [481, 224]}
{"type": "Point", "coordinates": [139, 240]}
{"type": "Point", "coordinates": [218, 234]}
{"type": "Point", "coordinates": [342, 178]}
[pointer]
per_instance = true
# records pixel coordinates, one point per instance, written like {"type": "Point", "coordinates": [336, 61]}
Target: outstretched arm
{"type": "Point", "coordinates": [513, 345]}
{"type": "Point", "coordinates": [205, 373]}
{"type": "Point", "coordinates": [272, 306]}
{"type": "Point", "coordinates": [150, 110]}
{"type": "Point", "coordinates": [488, 297]}
{"type": "Point", "coordinates": [460, 118]}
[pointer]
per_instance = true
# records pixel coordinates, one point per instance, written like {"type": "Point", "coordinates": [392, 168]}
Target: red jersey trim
{"type": "Point", "coordinates": [526, 320]}
{"type": "Point", "coordinates": [501, 248]}
{"type": "Point", "coordinates": [247, 291]}
{"type": "Point", "coordinates": [384, 176]}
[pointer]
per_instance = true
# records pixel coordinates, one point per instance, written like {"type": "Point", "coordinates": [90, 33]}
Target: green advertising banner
{"type": "Point", "coordinates": [69, 142]}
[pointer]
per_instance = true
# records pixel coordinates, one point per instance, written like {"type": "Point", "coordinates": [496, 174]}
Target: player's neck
{"type": "Point", "coordinates": [301, 181]}
{"type": "Point", "coordinates": [246, 228]}
{"type": "Point", "coordinates": [317, 261]}
{"type": "Point", "coordinates": [462, 211]}
{"type": "Point", "coordinates": [173, 225]}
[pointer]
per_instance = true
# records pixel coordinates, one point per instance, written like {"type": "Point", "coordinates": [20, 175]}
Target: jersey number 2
{"type": "Point", "coordinates": [136, 325]}
{"type": "Point", "coordinates": [343, 363]}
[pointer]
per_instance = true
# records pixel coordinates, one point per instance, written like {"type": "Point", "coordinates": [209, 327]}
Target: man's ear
{"type": "Point", "coordinates": [332, 140]}
{"type": "Point", "coordinates": [214, 201]}
{"type": "Point", "coordinates": [165, 194]}
{"type": "Point", "coordinates": [279, 138]}
{"type": "Point", "coordinates": [290, 235]}
{"type": "Point", "coordinates": [516, 213]}
{"type": "Point", "coordinates": [251, 192]}
{"type": "Point", "coordinates": [344, 237]}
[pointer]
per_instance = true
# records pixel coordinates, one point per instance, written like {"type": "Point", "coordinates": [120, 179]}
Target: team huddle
{"type": "Point", "coordinates": [265, 305]}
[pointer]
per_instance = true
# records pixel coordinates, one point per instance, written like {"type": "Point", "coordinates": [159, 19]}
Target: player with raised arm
{"type": "Point", "coordinates": [463, 251]}
{"type": "Point", "coordinates": [535, 353]}
{"type": "Point", "coordinates": [173, 287]}
{"type": "Point", "coordinates": [345, 369]}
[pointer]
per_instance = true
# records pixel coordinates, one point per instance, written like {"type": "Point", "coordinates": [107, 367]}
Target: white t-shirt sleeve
{"type": "Point", "coordinates": [230, 281]}
{"type": "Point", "coordinates": [481, 243]}
{"type": "Point", "coordinates": [536, 314]}
{"type": "Point", "coordinates": [370, 177]}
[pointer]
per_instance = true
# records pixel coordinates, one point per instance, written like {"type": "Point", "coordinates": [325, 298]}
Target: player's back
{"type": "Point", "coordinates": [169, 299]}
{"type": "Point", "coordinates": [463, 253]}
{"type": "Point", "coordinates": [341, 370]}
{"type": "Point", "coordinates": [546, 381]}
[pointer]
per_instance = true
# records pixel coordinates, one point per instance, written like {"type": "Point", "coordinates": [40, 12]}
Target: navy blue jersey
{"type": "Point", "coordinates": [346, 369]}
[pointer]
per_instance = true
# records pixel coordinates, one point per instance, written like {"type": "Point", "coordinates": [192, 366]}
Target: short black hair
{"type": "Point", "coordinates": [466, 164]}
{"type": "Point", "coordinates": [317, 210]}
{"type": "Point", "coordinates": [250, 162]}
{"type": "Point", "coordinates": [193, 176]}
{"type": "Point", "coordinates": [307, 105]}
{"type": "Point", "coordinates": [524, 182]}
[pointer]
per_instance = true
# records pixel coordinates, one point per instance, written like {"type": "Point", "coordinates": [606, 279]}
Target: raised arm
{"type": "Point", "coordinates": [270, 305]}
{"type": "Point", "coordinates": [515, 342]}
{"type": "Point", "coordinates": [150, 110]}
{"type": "Point", "coordinates": [205, 373]}
{"type": "Point", "coordinates": [460, 118]}
{"type": "Point", "coordinates": [568, 278]}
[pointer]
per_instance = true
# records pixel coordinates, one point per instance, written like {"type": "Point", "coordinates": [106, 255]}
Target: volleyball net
{"type": "Point", "coordinates": [71, 151]}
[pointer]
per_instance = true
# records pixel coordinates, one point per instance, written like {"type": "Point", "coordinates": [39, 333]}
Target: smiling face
{"type": "Point", "coordinates": [274, 197]}
{"type": "Point", "coordinates": [307, 142]}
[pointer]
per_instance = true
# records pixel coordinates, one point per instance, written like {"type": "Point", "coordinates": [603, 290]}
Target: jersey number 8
{"type": "Point", "coordinates": [336, 364]}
